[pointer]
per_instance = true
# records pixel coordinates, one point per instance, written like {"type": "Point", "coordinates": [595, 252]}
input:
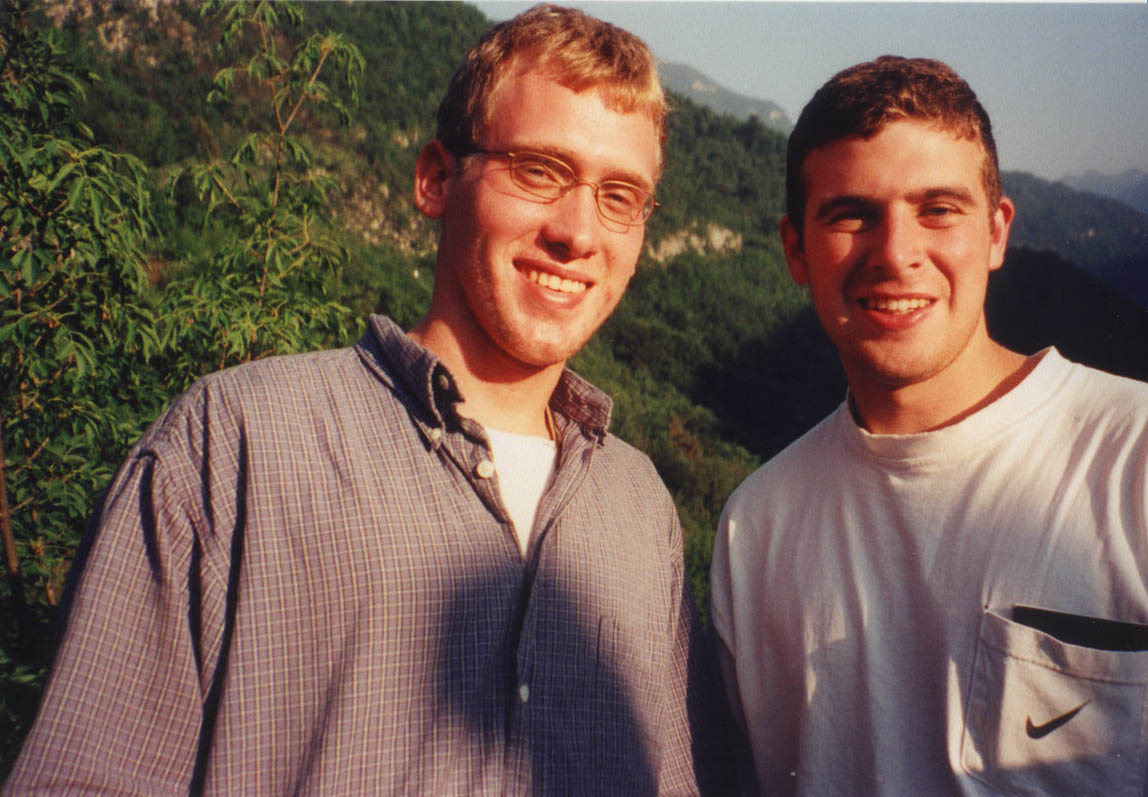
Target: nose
{"type": "Point", "coordinates": [897, 243]}
{"type": "Point", "coordinates": [573, 228]}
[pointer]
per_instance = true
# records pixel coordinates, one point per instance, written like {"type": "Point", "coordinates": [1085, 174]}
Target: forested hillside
{"type": "Point", "coordinates": [1107, 238]}
{"type": "Point", "coordinates": [162, 198]}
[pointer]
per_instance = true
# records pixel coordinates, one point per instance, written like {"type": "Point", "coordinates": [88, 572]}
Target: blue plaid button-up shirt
{"type": "Point", "coordinates": [303, 580]}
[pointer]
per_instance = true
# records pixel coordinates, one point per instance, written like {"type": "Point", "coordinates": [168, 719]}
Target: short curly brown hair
{"type": "Point", "coordinates": [857, 102]}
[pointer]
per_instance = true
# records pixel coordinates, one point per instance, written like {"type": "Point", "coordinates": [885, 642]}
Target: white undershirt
{"type": "Point", "coordinates": [525, 464]}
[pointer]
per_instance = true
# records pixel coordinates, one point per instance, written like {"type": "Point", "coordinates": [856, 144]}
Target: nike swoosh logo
{"type": "Point", "coordinates": [1040, 731]}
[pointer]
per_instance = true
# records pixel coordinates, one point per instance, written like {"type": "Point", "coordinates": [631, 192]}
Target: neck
{"type": "Point", "coordinates": [969, 384]}
{"type": "Point", "coordinates": [498, 392]}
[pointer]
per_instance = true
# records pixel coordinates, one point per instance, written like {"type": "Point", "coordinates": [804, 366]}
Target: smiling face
{"type": "Point", "coordinates": [897, 247]}
{"type": "Point", "coordinates": [523, 282]}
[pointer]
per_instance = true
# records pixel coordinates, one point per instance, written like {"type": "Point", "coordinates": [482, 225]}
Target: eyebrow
{"type": "Point", "coordinates": [616, 175]}
{"type": "Point", "coordinates": [829, 206]}
{"type": "Point", "coordinates": [954, 192]}
{"type": "Point", "coordinates": [832, 204]}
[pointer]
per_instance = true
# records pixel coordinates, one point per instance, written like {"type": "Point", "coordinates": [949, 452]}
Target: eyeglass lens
{"type": "Point", "coordinates": [550, 178]}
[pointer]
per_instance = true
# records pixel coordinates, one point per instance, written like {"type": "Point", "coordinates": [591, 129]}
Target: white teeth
{"type": "Point", "coordinates": [556, 283]}
{"type": "Point", "coordinates": [898, 306]}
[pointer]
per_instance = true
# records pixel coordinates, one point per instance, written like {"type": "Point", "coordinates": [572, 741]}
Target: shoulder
{"type": "Point", "coordinates": [619, 453]}
{"type": "Point", "coordinates": [278, 390]}
{"type": "Point", "coordinates": [283, 376]}
{"type": "Point", "coordinates": [618, 462]}
{"type": "Point", "coordinates": [1091, 382]}
{"type": "Point", "coordinates": [1092, 398]}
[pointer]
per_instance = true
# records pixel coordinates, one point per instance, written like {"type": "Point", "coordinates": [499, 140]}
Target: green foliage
{"type": "Point", "coordinates": [148, 98]}
{"type": "Point", "coordinates": [384, 280]}
{"type": "Point", "coordinates": [722, 171]}
{"type": "Point", "coordinates": [73, 221]}
{"type": "Point", "coordinates": [74, 328]}
{"type": "Point", "coordinates": [413, 48]}
{"type": "Point", "coordinates": [663, 356]}
{"type": "Point", "coordinates": [262, 290]}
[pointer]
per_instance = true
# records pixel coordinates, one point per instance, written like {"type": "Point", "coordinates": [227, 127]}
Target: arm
{"type": "Point", "coordinates": [741, 755]}
{"type": "Point", "coordinates": [124, 705]}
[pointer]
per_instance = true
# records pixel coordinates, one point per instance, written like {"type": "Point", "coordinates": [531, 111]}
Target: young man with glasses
{"type": "Point", "coordinates": [943, 587]}
{"type": "Point", "coordinates": [420, 565]}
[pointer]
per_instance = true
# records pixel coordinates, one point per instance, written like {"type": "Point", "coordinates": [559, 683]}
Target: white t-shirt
{"type": "Point", "coordinates": [525, 465]}
{"type": "Point", "coordinates": [863, 590]}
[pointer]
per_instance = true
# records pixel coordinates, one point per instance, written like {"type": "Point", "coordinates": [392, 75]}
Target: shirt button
{"type": "Point", "coordinates": [443, 382]}
{"type": "Point", "coordinates": [435, 434]}
{"type": "Point", "coordinates": [523, 693]}
{"type": "Point", "coordinates": [485, 469]}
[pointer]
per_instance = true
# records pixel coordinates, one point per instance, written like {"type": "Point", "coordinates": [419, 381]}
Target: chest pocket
{"type": "Point", "coordinates": [1046, 716]}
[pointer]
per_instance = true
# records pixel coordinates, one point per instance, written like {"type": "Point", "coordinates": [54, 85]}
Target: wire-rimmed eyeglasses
{"type": "Point", "coordinates": [547, 177]}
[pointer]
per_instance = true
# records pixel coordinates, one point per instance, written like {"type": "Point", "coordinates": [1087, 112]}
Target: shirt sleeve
{"type": "Point", "coordinates": [123, 709]}
{"type": "Point", "coordinates": [740, 758]}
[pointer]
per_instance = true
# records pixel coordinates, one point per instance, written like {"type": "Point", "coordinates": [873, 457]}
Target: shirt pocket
{"type": "Point", "coordinates": [1045, 716]}
{"type": "Point", "coordinates": [628, 708]}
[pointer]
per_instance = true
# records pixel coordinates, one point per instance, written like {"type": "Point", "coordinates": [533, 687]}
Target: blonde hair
{"type": "Point", "coordinates": [578, 50]}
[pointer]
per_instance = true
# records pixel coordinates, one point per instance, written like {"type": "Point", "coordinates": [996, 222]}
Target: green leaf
{"type": "Point", "coordinates": [61, 175]}
{"type": "Point", "coordinates": [74, 191]}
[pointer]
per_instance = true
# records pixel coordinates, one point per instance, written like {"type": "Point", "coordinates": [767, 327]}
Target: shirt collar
{"type": "Point", "coordinates": [390, 353]}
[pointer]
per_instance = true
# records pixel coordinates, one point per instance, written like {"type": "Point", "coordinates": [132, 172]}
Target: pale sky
{"type": "Point", "coordinates": [1065, 84]}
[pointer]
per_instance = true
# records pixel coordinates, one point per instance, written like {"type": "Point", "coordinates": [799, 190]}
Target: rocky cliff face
{"type": "Point", "coordinates": [712, 239]}
{"type": "Point", "coordinates": [121, 27]}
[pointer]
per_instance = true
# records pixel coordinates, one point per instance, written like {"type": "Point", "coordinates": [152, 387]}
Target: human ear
{"type": "Point", "coordinates": [794, 255]}
{"type": "Point", "coordinates": [998, 243]}
{"type": "Point", "coordinates": [433, 170]}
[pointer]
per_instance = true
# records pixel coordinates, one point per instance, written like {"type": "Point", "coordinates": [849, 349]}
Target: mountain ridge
{"type": "Point", "coordinates": [1102, 236]}
{"type": "Point", "coordinates": [1129, 186]}
{"type": "Point", "coordinates": [692, 83]}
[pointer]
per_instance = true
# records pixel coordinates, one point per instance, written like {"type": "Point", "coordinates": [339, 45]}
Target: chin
{"type": "Point", "coordinates": [894, 369]}
{"type": "Point", "coordinates": [541, 349]}
{"type": "Point", "coordinates": [533, 354]}
{"type": "Point", "coordinates": [549, 356]}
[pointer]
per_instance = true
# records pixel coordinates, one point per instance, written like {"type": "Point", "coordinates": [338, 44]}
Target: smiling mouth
{"type": "Point", "coordinates": [895, 306]}
{"type": "Point", "coordinates": [556, 283]}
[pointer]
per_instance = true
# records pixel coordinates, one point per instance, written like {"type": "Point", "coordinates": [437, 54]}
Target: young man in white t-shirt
{"type": "Point", "coordinates": [943, 587]}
